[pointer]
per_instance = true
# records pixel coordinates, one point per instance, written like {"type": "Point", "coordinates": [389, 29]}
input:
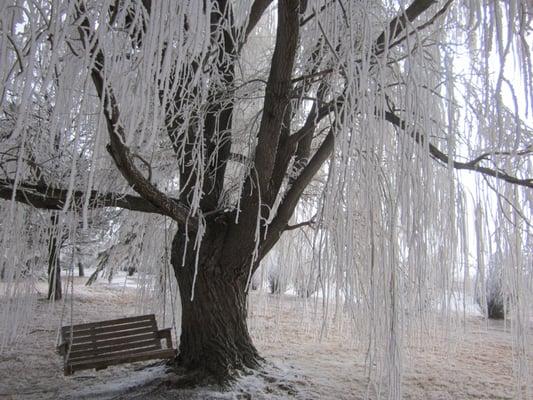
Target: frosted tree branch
{"type": "Point", "coordinates": [277, 92]}
{"type": "Point", "coordinates": [119, 151]}
{"type": "Point", "coordinates": [292, 197]}
{"type": "Point", "coordinates": [472, 165]}
{"type": "Point", "coordinates": [399, 23]}
{"type": "Point", "coordinates": [299, 225]}
{"type": "Point", "coordinates": [258, 9]}
{"type": "Point", "coordinates": [50, 198]}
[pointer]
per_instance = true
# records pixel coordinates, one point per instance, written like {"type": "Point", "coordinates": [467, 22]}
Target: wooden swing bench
{"type": "Point", "coordinates": [101, 344]}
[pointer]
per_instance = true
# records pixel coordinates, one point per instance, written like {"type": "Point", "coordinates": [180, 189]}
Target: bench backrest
{"type": "Point", "coordinates": [119, 337]}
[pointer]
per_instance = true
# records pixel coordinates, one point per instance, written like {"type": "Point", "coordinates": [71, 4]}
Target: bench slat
{"type": "Point", "coordinates": [110, 322]}
{"type": "Point", "coordinates": [110, 342]}
{"type": "Point", "coordinates": [112, 349]}
{"type": "Point", "coordinates": [123, 352]}
{"type": "Point", "coordinates": [106, 329]}
{"type": "Point", "coordinates": [112, 335]}
{"type": "Point", "coordinates": [103, 363]}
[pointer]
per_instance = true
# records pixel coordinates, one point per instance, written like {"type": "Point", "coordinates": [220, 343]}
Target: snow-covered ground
{"type": "Point", "coordinates": [473, 363]}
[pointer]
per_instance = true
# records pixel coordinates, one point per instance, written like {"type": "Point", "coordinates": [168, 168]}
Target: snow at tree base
{"type": "Point", "coordinates": [365, 164]}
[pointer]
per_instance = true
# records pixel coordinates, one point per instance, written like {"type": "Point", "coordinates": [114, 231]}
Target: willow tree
{"type": "Point", "coordinates": [220, 114]}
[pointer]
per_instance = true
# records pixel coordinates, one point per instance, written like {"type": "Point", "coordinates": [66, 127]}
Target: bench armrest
{"type": "Point", "coordinates": [165, 334]}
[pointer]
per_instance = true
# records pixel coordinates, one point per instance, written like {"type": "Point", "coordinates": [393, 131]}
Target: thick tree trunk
{"type": "Point", "coordinates": [214, 341]}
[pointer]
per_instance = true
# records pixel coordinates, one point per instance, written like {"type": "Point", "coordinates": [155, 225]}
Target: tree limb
{"type": "Point", "coordinates": [314, 117]}
{"type": "Point", "coordinates": [290, 148]}
{"type": "Point", "coordinates": [289, 202]}
{"type": "Point", "coordinates": [315, 12]}
{"type": "Point", "coordinates": [119, 151]}
{"type": "Point", "coordinates": [51, 198]}
{"type": "Point", "coordinates": [430, 22]}
{"type": "Point", "coordinates": [258, 9]}
{"type": "Point", "coordinates": [399, 23]}
{"type": "Point", "coordinates": [277, 92]}
{"type": "Point", "coordinates": [311, 222]}
{"type": "Point", "coordinates": [472, 165]}
{"type": "Point", "coordinates": [277, 98]}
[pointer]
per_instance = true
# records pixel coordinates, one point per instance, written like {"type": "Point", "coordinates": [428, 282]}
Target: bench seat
{"type": "Point", "coordinates": [105, 343]}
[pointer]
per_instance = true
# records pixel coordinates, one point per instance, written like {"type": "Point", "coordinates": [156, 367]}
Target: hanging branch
{"type": "Point", "coordinates": [119, 151]}
{"type": "Point", "coordinates": [214, 134]}
{"type": "Point", "coordinates": [286, 208]}
{"type": "Point", "coordinates": [472, 165]}
{"type": "Point", "coordinates": [430, 22]}
{"type": "Point", "coordinates": [51, 198]}
{"type": "Point", "coordinates": [218, 120]}
{"type": "Point", "coordinates": [398, 24]}
{"type": "Point", "coordinates": [291, 199]}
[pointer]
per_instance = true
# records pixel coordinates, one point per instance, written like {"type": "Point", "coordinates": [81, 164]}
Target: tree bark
{"type": "Point", "coordinates": [54, 268]}
{"type": "Point", "coordinates": [214, 342]}
{"type": "Point", "coordinates": [81, 270]}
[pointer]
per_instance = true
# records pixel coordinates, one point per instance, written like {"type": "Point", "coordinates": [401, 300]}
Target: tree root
{"type": "Point", "coordinates": [180, 377]}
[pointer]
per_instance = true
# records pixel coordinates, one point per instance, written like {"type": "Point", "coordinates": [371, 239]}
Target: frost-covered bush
{"type": "Point", "coordinates": [276, 285]}
{"type": "Point", "coordinates": [495, 298]}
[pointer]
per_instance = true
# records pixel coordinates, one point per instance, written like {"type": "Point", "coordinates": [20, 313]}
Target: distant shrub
{"type": "Point", "coordinates": [275, 284]}
{"type": "Point", "coordinates": [495, 298]}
